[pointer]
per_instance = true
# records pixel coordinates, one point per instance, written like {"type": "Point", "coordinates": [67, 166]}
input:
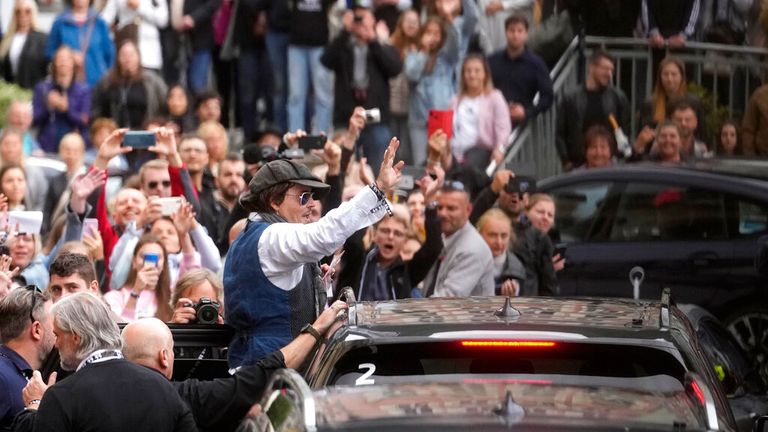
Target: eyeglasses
{"type": "Point", "coordinates": [304, 198]}
{"type": "Point", "coordinates": [35, 291]}
{"type": "Point", "coordinates": [387, 231]}
{"type": "Point", "coordinates": [154, 184]}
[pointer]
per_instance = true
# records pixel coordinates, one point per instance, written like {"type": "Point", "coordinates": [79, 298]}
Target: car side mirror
{"type": "Point", "coordinates": [761, 424]}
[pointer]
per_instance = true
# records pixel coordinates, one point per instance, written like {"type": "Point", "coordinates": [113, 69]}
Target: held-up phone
{"type": "Point", "coordinates": [169, 205]}
{"type": "Point", "coordinates": [139, 139]}
{"type": "Point", "coordinates": [151, 259]}
{"type": "Point", "coordinates": [312, 142]}
{"type": "Point", "coordinates": [560, 249]}
{"type": "Point", "coordinates": [90, 227]}
{"type": "Point", "coordinates": [440, 119]}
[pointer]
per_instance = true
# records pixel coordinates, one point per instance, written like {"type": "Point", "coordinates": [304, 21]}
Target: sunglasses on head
{"type": "Point", "coordinates": [304, 197]}
{"type": "Point", "coordinates": [35, 291]}
{"type": "Point", "coordinates": [155, 184]}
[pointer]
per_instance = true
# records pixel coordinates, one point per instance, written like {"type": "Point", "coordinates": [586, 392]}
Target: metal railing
{"type": "Point", "coordinates": [729, 73]}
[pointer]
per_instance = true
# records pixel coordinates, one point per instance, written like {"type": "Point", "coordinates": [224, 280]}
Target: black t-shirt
{"type": "Point", "coordinates": [595, 112]}
{"type": "Point", "coordinates": [132, 99]}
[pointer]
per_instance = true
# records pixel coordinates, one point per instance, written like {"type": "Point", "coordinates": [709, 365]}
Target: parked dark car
{"type": "Point", "coordinates": [693, 228]}
{"type": "Point", "coordinates": [430, 339]}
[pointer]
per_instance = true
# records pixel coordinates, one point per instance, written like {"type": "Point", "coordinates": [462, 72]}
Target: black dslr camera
{"type": "Point", "coordinates": [206, 311]}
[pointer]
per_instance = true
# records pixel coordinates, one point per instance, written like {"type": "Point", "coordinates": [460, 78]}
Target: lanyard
{"type": "Point", "coordinates": [101, 356]}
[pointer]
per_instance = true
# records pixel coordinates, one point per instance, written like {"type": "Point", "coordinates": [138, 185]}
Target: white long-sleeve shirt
{"type": "Point", "coordinates": [284, 248]}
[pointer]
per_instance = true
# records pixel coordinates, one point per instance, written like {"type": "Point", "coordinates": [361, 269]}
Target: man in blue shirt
{"type": "Point", "coordinates": [520, 74]}
{"type": "Point", "coordinates": [27, 332]}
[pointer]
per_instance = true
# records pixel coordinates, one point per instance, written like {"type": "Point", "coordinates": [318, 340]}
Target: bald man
{"type": "Point", "coordinates": [222, 403]}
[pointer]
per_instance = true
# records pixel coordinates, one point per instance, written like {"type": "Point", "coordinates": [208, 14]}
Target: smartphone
{"type": "Point", "coordinates": [440, 119]}
{"type": "Point", "coordinates": [560, 249]}
{"type": "Point", "coordinates": [169, 205]}
{"type": "Point", "coordinates": [372, 115]}
{"type": "Point", "coordinates": [90, 227]}
{"type": "Point", "coordinates": [151, 259]}
{"type": "Point", "coordinates": [312, 142]}
{"type": "Point", "coordinates": [139, 139]}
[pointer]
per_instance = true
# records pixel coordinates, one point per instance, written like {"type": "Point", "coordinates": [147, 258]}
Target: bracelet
{"type": "Point", "coordinates": [134, 295]}
{"type": "Point", "coordinates": [382, 200]}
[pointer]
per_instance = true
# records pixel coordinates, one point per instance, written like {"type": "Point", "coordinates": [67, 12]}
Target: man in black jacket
{"type": "Point", "coordinates": [587, 105]}
{"type": "Point", "coordinates": [363, 64]}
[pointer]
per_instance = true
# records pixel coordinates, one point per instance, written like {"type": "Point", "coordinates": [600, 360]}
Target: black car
{"type": "Point", "coordinates": [435, 338]}
{"type": "Point", "coordinates": [692, 228]}
{"type": "Point", "coordinates": [501, 403]}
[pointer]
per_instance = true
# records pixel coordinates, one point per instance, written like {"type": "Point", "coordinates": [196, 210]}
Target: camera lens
{"type": "Point", "coordinates": [207, 314]}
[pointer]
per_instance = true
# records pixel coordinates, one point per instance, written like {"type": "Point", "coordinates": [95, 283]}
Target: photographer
{"type": "Point", "coordinates": [364, 63]}
{"type": "Point", "coordinates": [191, 288]}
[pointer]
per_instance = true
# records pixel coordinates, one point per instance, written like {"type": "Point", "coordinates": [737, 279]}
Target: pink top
{"type": "Point", "coordinates": [494, 125]}
{"type": "Point", "coordinates": [146, 304]}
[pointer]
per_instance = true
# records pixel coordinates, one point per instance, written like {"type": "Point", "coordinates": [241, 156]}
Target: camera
{"type": "Point", "coordinates": [206, 311]}
{"type": "Point", "coordinates": [372, 115]}
{"type": "Point", "coordinates": [269, 154]}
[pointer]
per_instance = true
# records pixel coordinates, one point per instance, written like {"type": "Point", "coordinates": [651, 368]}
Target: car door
{"type": "Point", "coordinates": [677, 234]}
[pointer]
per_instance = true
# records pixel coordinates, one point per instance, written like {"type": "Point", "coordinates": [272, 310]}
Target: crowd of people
{"type": "Point", "coordinates": [269, 235]}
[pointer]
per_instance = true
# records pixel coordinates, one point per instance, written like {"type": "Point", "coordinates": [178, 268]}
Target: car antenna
{"type": "Point", "coordinates": [510, 411]}
{"type": "Point", "coordinates": [507, 311]}
{"type": "Point", "coordinates": [636, 277]}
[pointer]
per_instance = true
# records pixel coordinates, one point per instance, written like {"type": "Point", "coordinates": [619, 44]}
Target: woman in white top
{"type": "Point", "coordinates": [150, 15]}
{"type": "Point", "coordinates": [481, 124]}
{"type": "Point", "coordinates": [22, 49]}
{"type": "Point", "coordinates": [147, 291]}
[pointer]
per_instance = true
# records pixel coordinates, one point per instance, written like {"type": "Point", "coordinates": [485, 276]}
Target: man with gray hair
{"type": "Point", "coordinates": [89, 344]}
{"type": "Point", "coordinates": [26, 329]}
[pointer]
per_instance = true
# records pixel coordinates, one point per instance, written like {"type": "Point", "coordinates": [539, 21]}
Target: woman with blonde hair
{"type": "Point", "coordinates": [481, 124]}
{"type": "Point", "coordinates": [22, 49]}
{"type": "Point", "coordinates": [508, 272]}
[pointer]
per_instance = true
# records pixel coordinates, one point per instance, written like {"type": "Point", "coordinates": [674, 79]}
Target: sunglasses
{"type": "Point", "coordinates": [154, 184]}
{"type": "Point", "coordinates": [454, 185]}
{"type": "Point", "coordinates": [304, 198]}
{"type": "Point", "coordinates": [35, 291]}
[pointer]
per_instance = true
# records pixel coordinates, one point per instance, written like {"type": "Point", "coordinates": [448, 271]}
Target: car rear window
{"type": "Point", "coordinates": [362, 366]}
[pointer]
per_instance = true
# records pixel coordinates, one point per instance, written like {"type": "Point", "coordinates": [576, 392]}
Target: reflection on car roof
{"type": "Point", "coordinates": [542, 401]}
{"type": "Point", "coordinates": [479, 311]}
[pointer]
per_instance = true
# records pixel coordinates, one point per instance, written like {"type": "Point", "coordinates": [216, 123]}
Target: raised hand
{"type": "Point", "coordinates": [429, 186]}
{"type": "Point", "coordinates": [165, 145]}
{"type": "Point", "coordinates": [36, 387]}
{"type": "Point", "coordinates": [184, 219]}
{"type": "Point", "coordinates": [292, 138]}
{"type": "Point", "coordinates": [95, 245]}
{"type": "Point", "coordinates": [331, 155]}
{"type": "Point", "coordinates": [83, 187]}
{"type": "Point", "coordinates": [110, 148]}
{"type": "Point", "coordinates": [147, 278]}
{"type": "Point", "coordinates": [152, 212]}
{"type": "Point", "coordinates": [389, 173]}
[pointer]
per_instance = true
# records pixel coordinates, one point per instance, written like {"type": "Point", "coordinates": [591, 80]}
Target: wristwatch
{"type": "Point", "coordinates": [313, 331]}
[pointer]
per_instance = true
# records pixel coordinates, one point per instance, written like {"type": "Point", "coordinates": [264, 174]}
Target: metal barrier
{"type": "Point", "coordinates": [729, 73]}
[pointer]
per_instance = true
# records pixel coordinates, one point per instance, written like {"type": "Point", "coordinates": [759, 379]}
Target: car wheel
{"type": "Point", "coordinates": [749, 326]}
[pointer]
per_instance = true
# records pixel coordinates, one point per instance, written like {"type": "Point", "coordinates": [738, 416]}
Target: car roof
{"type": "Point", "coordinates": [535, 400]}
{"type": "Point", "coordinates": [745, 176]}
{"type": "Point", "coordinates": [587, 317]}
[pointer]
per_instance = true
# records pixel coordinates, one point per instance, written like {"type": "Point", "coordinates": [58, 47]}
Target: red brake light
{"type": "Point", "coordinates": [508, 344]}
{"type": "Point", "coordinates": [697, 391]}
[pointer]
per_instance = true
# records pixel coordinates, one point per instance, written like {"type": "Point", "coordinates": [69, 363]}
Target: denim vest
{"type": "Point", "coordinates": [265, 317]}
